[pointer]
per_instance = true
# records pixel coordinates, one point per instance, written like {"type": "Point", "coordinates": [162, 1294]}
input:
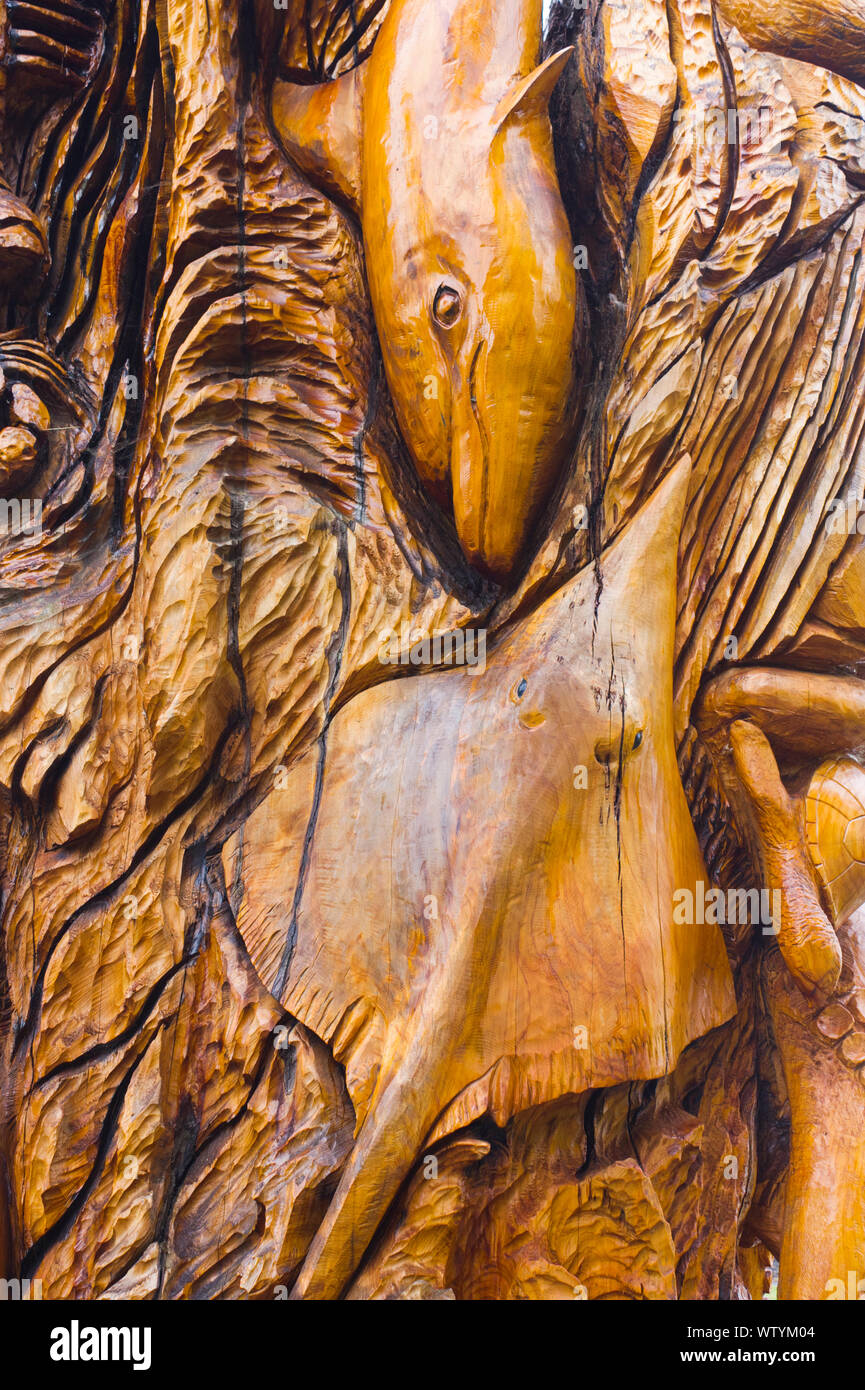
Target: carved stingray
{"type": "Point", "coordinates": [442, 143]}
{"type": "Point", "coordinates": [479, 1005]}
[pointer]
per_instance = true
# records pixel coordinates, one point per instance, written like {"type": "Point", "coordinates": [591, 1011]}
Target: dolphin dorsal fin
{"type": "Point", "coordinates": [320, 129]}
{"type": "Point", "coordinates": [531, 94]}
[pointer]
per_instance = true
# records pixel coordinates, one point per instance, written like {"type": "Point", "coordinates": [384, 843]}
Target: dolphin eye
{"type": "Point", "coordinates": [447, 306]}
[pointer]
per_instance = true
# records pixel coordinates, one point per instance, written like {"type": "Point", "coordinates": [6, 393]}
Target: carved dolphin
{"type": "Point", "coordinates": [441, 142]}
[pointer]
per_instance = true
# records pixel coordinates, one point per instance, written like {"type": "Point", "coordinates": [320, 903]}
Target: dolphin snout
{"type": "Point", "coordinates": [470, 471]}
{"type": "Point", "coordinates": [509, 422]}
{"type": "Point", "coordinates": [497, 470]}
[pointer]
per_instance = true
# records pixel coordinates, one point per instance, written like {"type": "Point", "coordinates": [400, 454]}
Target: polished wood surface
{"type": "Point", "coordinates": [432, 728]}
{"type": "Point", "coordinates": [443, 141]}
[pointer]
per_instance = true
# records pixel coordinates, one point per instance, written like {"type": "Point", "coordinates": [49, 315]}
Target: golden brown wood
{"type": "Point", "coordinates": [442, 143]}
{"type": "Point", "coordinates": [432, 797]}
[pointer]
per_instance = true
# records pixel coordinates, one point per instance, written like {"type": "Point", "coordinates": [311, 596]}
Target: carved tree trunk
{"type": "Point", "coordinates": [433, 616]}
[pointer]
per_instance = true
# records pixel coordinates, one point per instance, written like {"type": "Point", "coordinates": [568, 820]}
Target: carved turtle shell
{"type": "Point", "coordinates": [835, 831]}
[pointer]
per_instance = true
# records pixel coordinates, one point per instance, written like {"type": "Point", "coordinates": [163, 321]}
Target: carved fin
{"type": "Point", "coordinates": [532, 94]}
{"type": "Point", "coordinates": [320, 129]}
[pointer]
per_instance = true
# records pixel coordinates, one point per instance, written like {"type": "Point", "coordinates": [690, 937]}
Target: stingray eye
{"type": "Point", "coordinates": [447, 306]}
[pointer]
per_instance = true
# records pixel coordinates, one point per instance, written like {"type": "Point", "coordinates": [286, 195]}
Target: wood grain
{"type": "Point", "coordinates": [433, 607]}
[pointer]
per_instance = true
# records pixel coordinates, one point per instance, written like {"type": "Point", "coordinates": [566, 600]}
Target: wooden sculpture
{"type": "Point", "coordinates": [431, 719]}
{"type": "Point", "coordinates": [442, 143]}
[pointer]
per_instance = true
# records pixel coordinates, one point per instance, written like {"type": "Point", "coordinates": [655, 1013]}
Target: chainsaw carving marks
{"type": "Point", "coordinates": [431, 590]}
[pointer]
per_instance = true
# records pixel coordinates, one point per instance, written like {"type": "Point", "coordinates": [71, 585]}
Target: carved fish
{"type": "Point", "coordinates": [441, 142]}
{"type": "Point", "coordinates": [544, 964]}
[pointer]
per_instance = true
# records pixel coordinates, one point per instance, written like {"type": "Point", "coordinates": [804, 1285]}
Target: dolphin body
{"type": "Point", "coordinates": [441, 143]}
